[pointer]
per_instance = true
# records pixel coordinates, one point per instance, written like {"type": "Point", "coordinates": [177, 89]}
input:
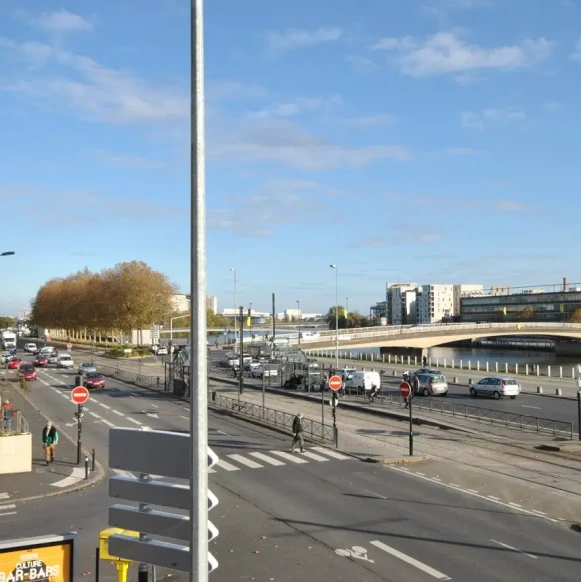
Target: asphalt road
{"type": "Point", "coordinates": [283, 519]}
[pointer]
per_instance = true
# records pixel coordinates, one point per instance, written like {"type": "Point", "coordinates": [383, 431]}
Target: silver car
{"type": "Point", "coordinates": [52, 358]}
{"type": "Point", "coordinates": [430, 383]}
{"type": "Point", "coordinates": [87, 368]}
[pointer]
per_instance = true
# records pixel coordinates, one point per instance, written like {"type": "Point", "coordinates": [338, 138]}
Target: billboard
{"type": "Point", "coordinates": [38, 559]}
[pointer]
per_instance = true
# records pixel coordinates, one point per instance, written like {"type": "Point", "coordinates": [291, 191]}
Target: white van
{"type": "Point", "coordinates": [363, 382]}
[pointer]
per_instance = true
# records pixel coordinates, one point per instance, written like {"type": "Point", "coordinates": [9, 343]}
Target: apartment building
{"type": "Point", "coordinates": [464, 290]}
{"type": "Point", "coordinates": [434, 303]}
{"type": "Point", "coordinates": [180, 302]}
{"type": "Point", "coordinates": [403, 304]}
{"type": "Point", "coordinates": [212, 304]}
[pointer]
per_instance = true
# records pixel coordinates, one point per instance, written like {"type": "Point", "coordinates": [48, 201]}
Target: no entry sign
{"type": "Point", "coordinates": [335, 383]}
{"type": "Point", "coordinates": [79, 395]}
{"type": "Point", "coordinates": [405, 389]}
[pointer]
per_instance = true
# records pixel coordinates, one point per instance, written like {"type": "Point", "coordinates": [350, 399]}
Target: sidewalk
{"type": "Point", "coordinates": [62, 476]}
{"type": "Point", "coordinates": [510, 473]}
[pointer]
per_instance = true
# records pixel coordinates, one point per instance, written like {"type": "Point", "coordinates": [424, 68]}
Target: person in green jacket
{"type": "Point", "coordinates": [50, 439]}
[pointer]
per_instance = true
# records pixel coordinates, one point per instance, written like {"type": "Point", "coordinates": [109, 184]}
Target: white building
{"type": "Point", "coordinates": [295, 314]}
{"type": "Point", "coordinates": [180, 302]}
{"type": "Point", "coordinates": [212, 304]}
{"type": "Point", "coordinates": [434, 303]}
{"type": "Point", "coordinates": [403, 304]}
{"type": "Point", "coordinates": [465, 291]}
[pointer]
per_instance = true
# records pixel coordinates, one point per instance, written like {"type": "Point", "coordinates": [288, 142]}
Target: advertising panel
{"type": "Point", "coordinates": [38, 559]}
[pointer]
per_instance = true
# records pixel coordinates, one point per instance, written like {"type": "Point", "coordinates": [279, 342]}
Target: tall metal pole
{"type": "Point", "coordinates": [198, 353]}
{"type": "Point", "coordinates": [336, 315]}
{"type": "Point", "coordinates": [250, 319]}
{"type": "Point", "coordinates": [273, 320]}
{"type": "Point", "coordinates": [235, 310]}
{"type": "Point", "coordinates": [299, 310]}
{"type": "Point", "coordinates": [241, 371]}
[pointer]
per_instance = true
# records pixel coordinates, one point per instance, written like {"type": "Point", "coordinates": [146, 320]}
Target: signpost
{"type": "Point", "coordinates": [79, 395]}
{"type": "Point", "coordinates": [406, 391]}
{"type": "Point", "coordinates": [335, 384]}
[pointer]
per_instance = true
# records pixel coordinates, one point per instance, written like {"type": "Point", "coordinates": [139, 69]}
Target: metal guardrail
{"type": "Point", "coordinates": [132, 377]}
{"type": "Point", "coordinates": [12, 421]}
{"type": "Point", "coordinates": [311, 429]}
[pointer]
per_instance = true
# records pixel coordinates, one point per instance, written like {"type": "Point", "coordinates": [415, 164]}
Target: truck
{"type": "Point", "coordinates": [8, 340]}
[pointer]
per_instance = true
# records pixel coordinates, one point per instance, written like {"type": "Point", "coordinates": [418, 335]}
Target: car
{"type": "Point", "coordinates": [162, 351]}
{"type": "Point", "coordinates": [40, 361]}
{"type": "Point", "coordinates": [263, 372]}
{"type": "Point", "coordinates": [94, 380]}
{"type": "Point", "coordinates": [52, 358]}
{"type": "Point", "coordinates": [30, 348]}
{"type": "Point", "coordinates": [249, 366]}
{"type": "Point", "coordinates": [6, 356]}
{"type": "Point", "coordinates": [431, 383]}
{"type": "Point", "coordinates": [48, 350]}
{"type": "Point", "coordinates": [14, 363]}
{"type": "Point", "coordinates": [27, 372]}
{"type": "Point", "coordinates": [87, 368]}
{"type": "Point", "coordinates": [65, 361]}
{"type": "Point", "coordinates": [495, 386]}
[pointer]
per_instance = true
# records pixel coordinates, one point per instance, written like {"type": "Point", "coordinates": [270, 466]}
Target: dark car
{"type": "Point", "coordinates": [27, 372]}
{"type": "Point", "coordinates": [94, 380]}
{"type": "Point", "coordinates": [40, 361]}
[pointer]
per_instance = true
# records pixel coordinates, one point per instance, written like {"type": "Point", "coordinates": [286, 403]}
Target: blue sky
{"type": "Point", "coordinates": [435, 141]}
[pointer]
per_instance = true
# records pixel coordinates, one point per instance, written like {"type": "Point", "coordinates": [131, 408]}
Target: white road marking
{"type": "Point", "coordinates": [243, 461]}
{"type": "Point", "coordinates": [4, 495]}
{"type": "Point", "coordinates": [514, 504]}
{"type": "Point", "coordinates": [476, 494]}
{"type": "Point", "coordinates": [219, 431]}
{"type": "Point", "coordinates": [184, 417]}
{"type": "Point", "coordinates": [117, 412]}
{"type": "Point", "coordinates": [492, 497]}
{"type": "Point", "coordinates": [267, 459]}
{"type": "Point", "coordinates": [226, 466]}
{"type": "Point", "coordinates": [374, 494]}
{"type": "Point", "coordinates": [330, 453]}
{"type": "Point", "coordinates": [411, 561]}
{"type": "Point", "coordinates": [418, 473]}
{"type": "Point", "coordinates": [514, 549]}
{"type": "Point", "coordinates": [289, 457]}
{"type": "Point", "coordinates": [8, 506]}
{"type": "Point", "coordinates": [77, 474]}
{"type": "Point", "coordinates": [538, 512]}
{"type": "Point", "coordinates": [313, 456]}
{"type": "Point", "coordinates": [210, 470]}
{"type": "Point", "coordinates": [454, 485]}
{"type": "Point", "coordinates": [107, 423]}
{"type": "Point", "coordinates": [104, 405]}
{"type": "Point", "coordinates": [94, 414]}
{"type": "Point", "coordinates": [155, 406]}
{"type": "Point", "coordinates": [436, 479]}
{"type": "Point", "coordinates": [535, 407]}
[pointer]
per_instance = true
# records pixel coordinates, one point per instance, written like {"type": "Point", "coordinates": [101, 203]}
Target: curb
{"type": "Point", "coordinates": [397, 461]}
{"type": "Point", "coordinates": [99, 471]}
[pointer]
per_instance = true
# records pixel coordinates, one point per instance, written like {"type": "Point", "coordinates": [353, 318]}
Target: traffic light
{"type": "Point", "coordinates": [212, 502]}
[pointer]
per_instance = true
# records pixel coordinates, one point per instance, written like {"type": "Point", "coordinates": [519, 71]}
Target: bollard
{"type": "Point", "coordinates": [394, 372]}
{"type": "Point", "coordinates": [478, 365]}
{"type": "Point", "coordinates": [455, 379]}
{"type": "Point", "coordinates": [86, 467]}
{"type": "Point", "coordinates": [460, 364]}
{"type": "Point", "coordinates": [496, 367]}
{"type": "Point", "coordinates": [470, 381]}
{"type": "Point", "coordinates": [487, 365]}
{"type": "Point", "coordinates": [558, 392]}
{"type": "Point", "coordinates": [93, 460]}
{"type": "Point", "coordinates": [549, 371]}
{"type": "Point", "coordinates": [539, 389]}
{"type": "Point", "coordinates": [214, 395]}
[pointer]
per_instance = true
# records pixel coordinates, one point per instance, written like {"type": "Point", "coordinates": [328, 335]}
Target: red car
{"type": "Point", "coordinates": [40, 361]}
{"type": "Point", "coordinates": [94, 380]}
{"type": "Point", "coordinates": [27, 372]}
{"type": "Point", "coordinates": [14, 363]}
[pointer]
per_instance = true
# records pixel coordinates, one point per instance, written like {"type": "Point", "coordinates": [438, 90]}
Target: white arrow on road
{"type": "Point", "coordinates": [152, 415]}
{"type": "Point", "coordinates": [71, 423]}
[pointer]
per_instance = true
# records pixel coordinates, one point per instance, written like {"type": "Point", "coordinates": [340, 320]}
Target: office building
{"type": "Point", "coordinates": [403, 304]}
{"type": "Point", "coordinates": [464, 290]}
{"type": "Point", "coordinates": [212, 304]}
{"type": "Point", "coordinates": [180, 303]}
{"type": "Point", "coordinates": [434, 303]}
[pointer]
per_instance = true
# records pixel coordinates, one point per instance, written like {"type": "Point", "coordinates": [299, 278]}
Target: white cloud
{"type": "Point", "coordinates": [61, 22]}
{"type": "Point", "coordinates": [554, 106]}
{"type": "Point", "coordinates": [445, 53]}
{"type": "Point", "coordinates": [293, 39]}
{"type": "Point", "coordinates": [362, 65]}
{"type": "Point", "coordinates": [576, 54]}
{"type": "Point", "coordinates": [479, 120]}
{"type": "Point", "coordinates": [296, 106]}
{"type": "Point", "coordinates": [291, 146]}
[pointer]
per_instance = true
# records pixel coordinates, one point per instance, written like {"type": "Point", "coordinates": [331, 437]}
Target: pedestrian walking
{"type": "Point", "coordinates": [298, 433]}
{"type": "Point", "coordinates": [7, 415]}
{"type": "Point", "coordinates": [50, 439]}
{"type": "Point", "coordinates": [425, 361]}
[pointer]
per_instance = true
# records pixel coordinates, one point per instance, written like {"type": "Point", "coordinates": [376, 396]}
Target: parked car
{"type": "Point", "coordinates": [495, 386]}
{"type": "Point", "coordinates": [94, 380]}
{"type": "Point", "coordinates": [53, 358]}
{"type": "Point", "coordinates": [162, 351]}
{"type": "Point", "coordinates": [432, 383]}
{"type": "Point", "coordinates": [65, 361]}
{"type": "Point", "coordinates": [40, 361]}
{"type": "Point", "coordinates": [87, 367]}
{"type": "Point", "coordinates": [47, 350]}
{"type": "Point", "coordinates": [264, 371]}
{"type": "Point", "coordinates": [14, 363]}
{"type": "Point", "coordinates": [249, 366]}
{"type": "Point", "coordinates": [30, 348]}
{"type": "Point", "coordinates": [27, 372]}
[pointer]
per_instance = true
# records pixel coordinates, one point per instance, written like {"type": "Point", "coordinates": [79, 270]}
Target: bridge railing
{"type": "Point", "coordinates": [382, 332]}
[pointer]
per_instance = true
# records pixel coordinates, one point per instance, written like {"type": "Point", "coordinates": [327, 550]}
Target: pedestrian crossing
{"type": "Point", "coordinates": [229, 463]}
{"type": "Point", "coordinates": [6, 509]}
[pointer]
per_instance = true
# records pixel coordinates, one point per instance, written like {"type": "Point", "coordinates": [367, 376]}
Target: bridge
{"type": "Point", "coordinates": [431, 335]}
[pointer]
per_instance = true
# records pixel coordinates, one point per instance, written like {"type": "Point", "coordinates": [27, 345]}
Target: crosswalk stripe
{"type": "Point", "coordinates": [247, 462]}
{"type": "Point", "coordinates": [123, 473]}
{"type": "Point", "coordinates": [333, 454]}
{"type": "Point", "coordinates": [313, 456]}
{"type": "Point", "coordinates": [11, 506]}
{"type": "Point", "coordinates": [8, 513]}
{"type": "Point", "coordinates": [267, 459]}
{"type": "Point", "coordinates": [4, 495]}
{"type": "Point", "coordinates": [226, 466]}
{"type": "Point", "coordinates": [289, 457]}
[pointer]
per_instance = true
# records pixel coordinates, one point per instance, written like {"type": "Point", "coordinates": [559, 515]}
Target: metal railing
{"type": "Point", "coordinates": [12, 421]}
{"type": "Point", "coordinates": [514, 420]}
{"type": "Point", "coordinates": [132, 377]}
{"type": "Point", "coordinates": [311, 429]}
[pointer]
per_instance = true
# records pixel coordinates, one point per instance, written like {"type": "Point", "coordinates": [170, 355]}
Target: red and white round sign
{"type": "Point", "coordinates": [335, 383]}
{"type": "Point", "coordinates": [79, 395]}
{"type": "Point", "coordinates": [405, 389]}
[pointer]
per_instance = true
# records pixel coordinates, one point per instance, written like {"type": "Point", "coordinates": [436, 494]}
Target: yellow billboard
{"type": "Point", "coordinates": [40, 559]}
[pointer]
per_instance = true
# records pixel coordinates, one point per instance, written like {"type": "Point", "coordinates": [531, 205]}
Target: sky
{"type": "Point", "coordinates": [434, 141]}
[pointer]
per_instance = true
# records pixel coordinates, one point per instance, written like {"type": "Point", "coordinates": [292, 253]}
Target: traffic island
{"type": "Point", "coordinates": [394, 460]}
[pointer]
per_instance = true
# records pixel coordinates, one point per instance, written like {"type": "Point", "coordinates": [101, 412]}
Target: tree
{"type": "Point", "coordinates": [526, 314]}
{"type": "Point", "coordinates": [355, 319]}
{"type": "Point", "coordinates": [575, 316]}
{"type": "Point", "coordinates": [331, 320]}
{"type": "Point", "coordinates": [6, 322]}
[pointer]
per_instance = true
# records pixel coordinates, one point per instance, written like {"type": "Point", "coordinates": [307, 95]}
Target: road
{"type": "Point", "coordinates": [281, 518]}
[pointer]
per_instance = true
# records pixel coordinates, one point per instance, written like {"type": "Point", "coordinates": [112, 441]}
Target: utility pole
{"type": "Point", "coordinates": [235, 308]}
{"type": "Point", "coordinates": [299, 310]}
{"type": "Point", "coordinates": [241, 371]}
{"type": "Point", "coordinates": [273, 321]}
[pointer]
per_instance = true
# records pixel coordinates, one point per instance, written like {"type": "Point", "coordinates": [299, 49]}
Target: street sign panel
{"type": "Point", "coordinates": [405, 389]}
{"type": "Point", "coordinates": [79, 395]}
{"type": "Point", "coordinates": [335, 383]}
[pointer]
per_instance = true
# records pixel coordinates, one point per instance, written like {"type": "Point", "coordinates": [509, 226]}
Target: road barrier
{"type": "Point", "coordinates": [311, 429]}
{"type": "Point", "coordinates": [12, 421]}
{"type": "Point", "coordinates": [132, 377]}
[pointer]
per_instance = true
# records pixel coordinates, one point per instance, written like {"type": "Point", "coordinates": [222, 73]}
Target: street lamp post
{"type": "Point", "coordinates": [336, 315]}
{"type": "Point", "coordinates": [250, 319]}
{"type": "Point", "coordinates": [299, 310]}
{"type": "Point", "coordinates": [235, 309]}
